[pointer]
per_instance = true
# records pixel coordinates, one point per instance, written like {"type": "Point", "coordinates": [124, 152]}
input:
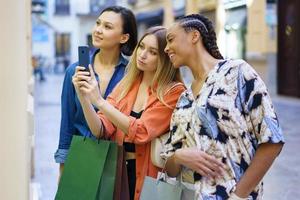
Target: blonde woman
{"type": "Point", "coordinates": [140, 107]}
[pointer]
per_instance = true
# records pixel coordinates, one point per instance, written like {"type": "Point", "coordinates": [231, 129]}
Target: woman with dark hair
{"type": "Point", "coordinates": [114, 34]}
{"type": "Point", "coordinates": [226, 115]}
{"type": "Point", "coordinates": [140, 107]}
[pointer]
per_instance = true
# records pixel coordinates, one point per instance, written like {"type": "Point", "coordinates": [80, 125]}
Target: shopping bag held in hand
{"type": "Point", "coordinates": [161, 189]}
{"type": "Point", "coordinates": [89, 171]}
{"type": "Point", "coordinates": [121, 187]}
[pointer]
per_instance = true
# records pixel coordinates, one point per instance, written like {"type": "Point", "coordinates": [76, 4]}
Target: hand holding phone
{"type": "Point", "coordinates": [84, 57]}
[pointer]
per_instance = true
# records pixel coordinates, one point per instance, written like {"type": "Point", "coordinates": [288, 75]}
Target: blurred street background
{"type": "Point", "coordinates": [246, 29]}
{"type": "Point", "coordinates": [265, 33]}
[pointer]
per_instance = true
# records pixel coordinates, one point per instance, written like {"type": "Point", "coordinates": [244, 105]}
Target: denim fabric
{"type": "Point", "coordinates": [72, 117]}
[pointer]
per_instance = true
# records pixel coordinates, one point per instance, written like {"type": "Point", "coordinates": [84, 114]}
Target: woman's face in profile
{"type": "Point", "coordinates": [177, 45]}
{"type": "Point", "coordinates": [108, 30]}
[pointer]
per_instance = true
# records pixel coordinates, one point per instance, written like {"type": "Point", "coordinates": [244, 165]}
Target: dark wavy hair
{"type": "Point", "coordinates": [129, 27]}
{"type": "Point", "coordinates": [205, 27]}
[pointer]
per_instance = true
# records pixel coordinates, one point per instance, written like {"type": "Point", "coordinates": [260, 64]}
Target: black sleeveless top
{"type": "Point", "coordinates": [130, 164]}
{"type": "Point", "coordinates": [130, 147]}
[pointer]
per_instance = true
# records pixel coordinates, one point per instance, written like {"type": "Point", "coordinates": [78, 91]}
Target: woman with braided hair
{"type": "Point", "coordinates": [226, 115]}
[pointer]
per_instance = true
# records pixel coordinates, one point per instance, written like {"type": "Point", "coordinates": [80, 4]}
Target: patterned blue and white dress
{"type": "Point", "coordinates": [228, 119]}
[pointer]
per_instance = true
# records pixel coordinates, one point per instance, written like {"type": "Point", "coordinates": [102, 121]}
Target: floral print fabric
{"type": "Point", "coordinates": [228, 119]}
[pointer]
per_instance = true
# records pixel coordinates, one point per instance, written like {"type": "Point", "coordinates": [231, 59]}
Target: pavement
{"type": "Point", "coordinates": [47, 122]}
{"type": "Point", "coordinates": [280, 183]}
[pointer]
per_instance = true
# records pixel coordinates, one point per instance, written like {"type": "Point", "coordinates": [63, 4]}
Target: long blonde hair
{"type": "Point", "coordinates": [164, 75]}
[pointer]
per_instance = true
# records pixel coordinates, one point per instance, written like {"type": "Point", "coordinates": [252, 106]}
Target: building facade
{"type": "Point", "coordinates": [246, 29]}
{"type": "Point", "coordinates": [61, 27]}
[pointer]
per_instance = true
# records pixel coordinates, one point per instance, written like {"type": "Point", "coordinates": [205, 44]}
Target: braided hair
{"type": "Point", "coordinates": [206, 29]}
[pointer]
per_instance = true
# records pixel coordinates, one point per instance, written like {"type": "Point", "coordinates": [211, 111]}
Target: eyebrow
{"type": "Point", "coordinates": [152, 48]}
{"type": "Point", "coordinates": [169, 35]}
{"type": "Point", "coordinates": [99, 20]}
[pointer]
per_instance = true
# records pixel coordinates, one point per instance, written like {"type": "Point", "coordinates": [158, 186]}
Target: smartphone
{"type": "Point", "coordinates": [84, 57]}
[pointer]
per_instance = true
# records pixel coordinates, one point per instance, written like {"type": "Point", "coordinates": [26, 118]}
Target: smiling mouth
{"type": "Point", "coordinates": [98, 38]}
{"type": "Point", "coordinates": [171, 55]}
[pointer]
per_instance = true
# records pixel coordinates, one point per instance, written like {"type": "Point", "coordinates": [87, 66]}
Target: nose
{"type": "Point", "coordinates": [143, 54]}
{"type": "Point", "coordinates": [166, 48]}
{"type": "Point", "coordinates": [98, 29]}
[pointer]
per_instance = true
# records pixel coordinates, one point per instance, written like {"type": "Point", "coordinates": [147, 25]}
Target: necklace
{"type": "Point", "coordinates": [198, 84]}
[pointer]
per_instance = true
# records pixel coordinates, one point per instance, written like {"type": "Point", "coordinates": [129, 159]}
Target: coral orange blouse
{"type": "Point", "coordinates": [154, 122]}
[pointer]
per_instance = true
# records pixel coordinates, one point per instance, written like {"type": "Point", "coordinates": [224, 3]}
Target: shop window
{"type": "Point", "coordinates": [62, 49]}
{"type": "Point", "coordinates": [62, 7]}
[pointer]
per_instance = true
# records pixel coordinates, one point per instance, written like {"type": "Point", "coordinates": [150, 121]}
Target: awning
{"type": "Point", "coordinates": [156, 16]}
{"type": "Point", "coordinates": [37, 20]}
{"type": "Point", "coordinates": [150, 16]}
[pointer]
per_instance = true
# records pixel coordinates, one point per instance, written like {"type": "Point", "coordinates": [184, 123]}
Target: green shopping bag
{"type": "Point", "coordinates": [89, 171]}
{"type": "Point", "coordinates": [107, 182]}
